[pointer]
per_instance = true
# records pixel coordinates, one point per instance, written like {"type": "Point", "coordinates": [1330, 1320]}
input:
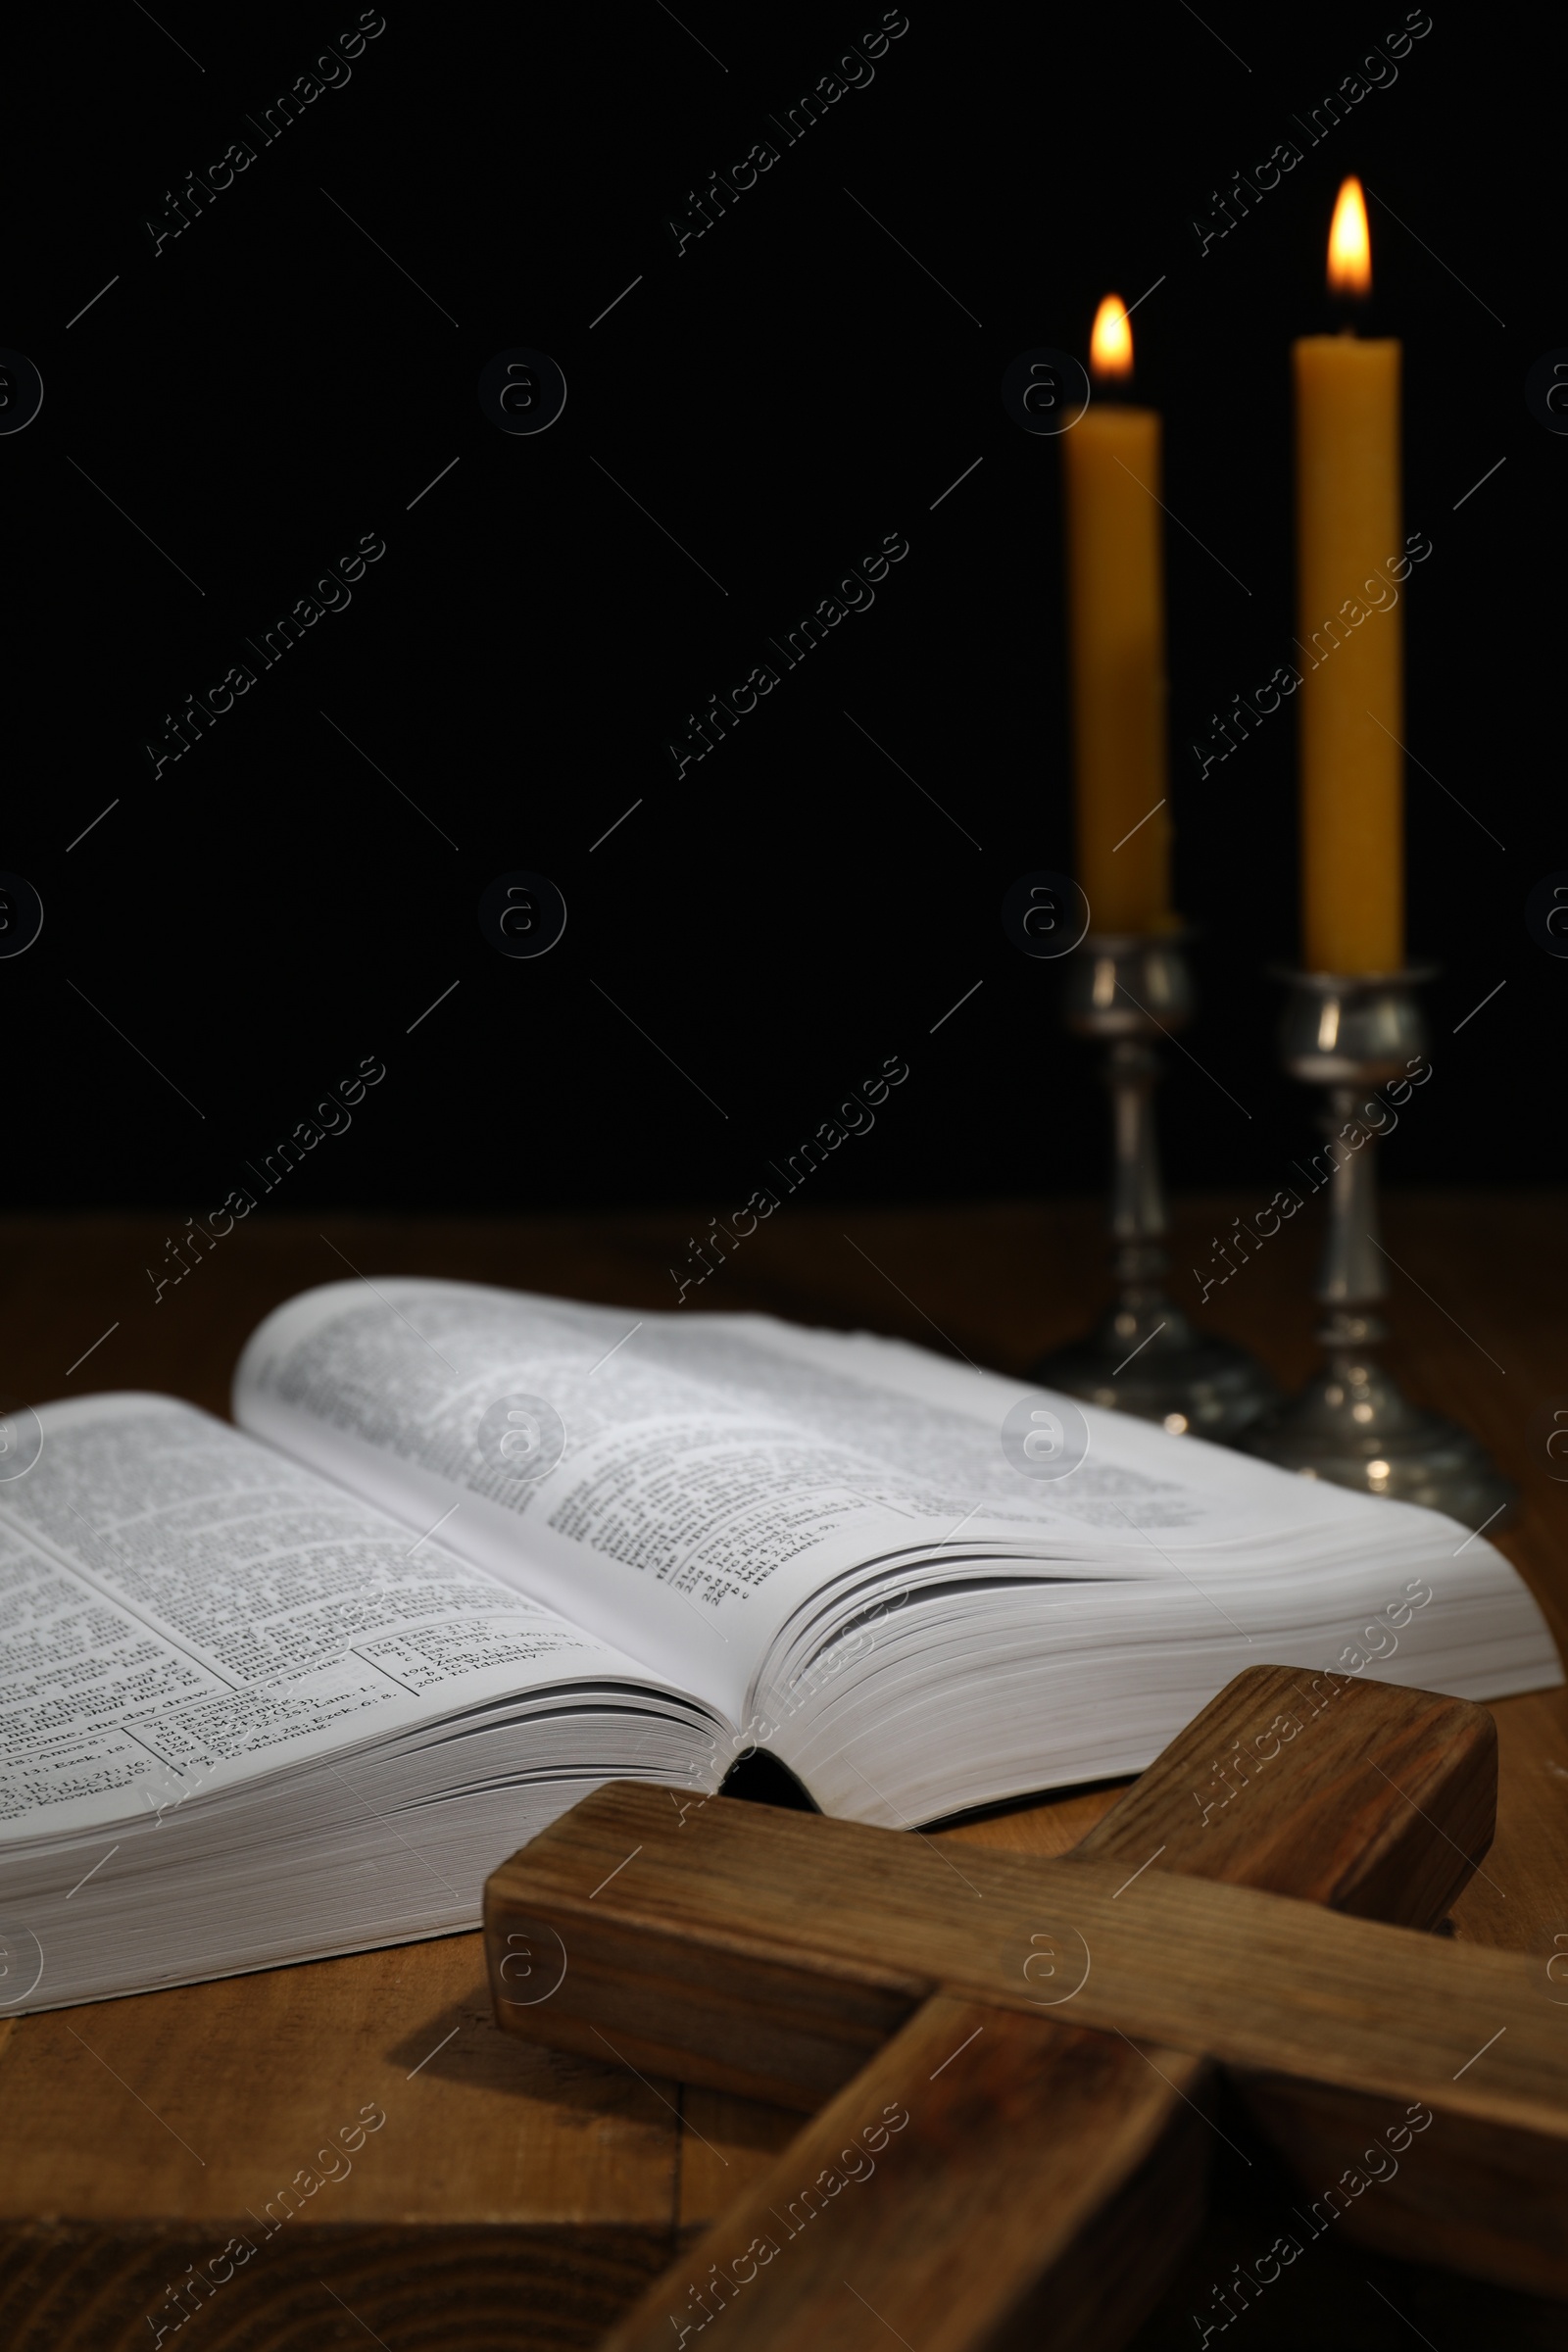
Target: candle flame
{"type": "Point", "coordinates": [1349, 244]}
{"type": "Point", "coordinates": [1111, 345]}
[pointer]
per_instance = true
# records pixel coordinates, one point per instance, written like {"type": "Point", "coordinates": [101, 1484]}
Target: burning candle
{"type": "Point", "coordinates": [1351, 630]}
{"type": "Point", "coordinates": [1117, 608]}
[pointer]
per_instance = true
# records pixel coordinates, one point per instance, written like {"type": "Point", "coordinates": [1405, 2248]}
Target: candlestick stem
{"type": "Point", "coordinates": [1138, 1198]}
{"type": "Point", "coordinates": [1143, 1356]}
{"type": "Point", "coordinates": [1352, 1270]}
{"type": "Point", "coordinates": [1353, 1423]}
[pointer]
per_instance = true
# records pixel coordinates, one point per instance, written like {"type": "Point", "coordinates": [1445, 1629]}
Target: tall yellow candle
{"type": "Point", "coordinates": [1116, 613]}
{"type": "Point", "coordinates": [1351, 630]}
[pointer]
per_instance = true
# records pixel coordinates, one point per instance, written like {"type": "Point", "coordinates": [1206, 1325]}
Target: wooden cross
{"type": "Point", "coordinates": [1012, 2058]}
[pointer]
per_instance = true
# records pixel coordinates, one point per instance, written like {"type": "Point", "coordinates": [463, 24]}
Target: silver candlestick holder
{"type": "Point", "coordinates": [1353, 1423]}
{"type": "Point", "coordinates": [1143, 1356]}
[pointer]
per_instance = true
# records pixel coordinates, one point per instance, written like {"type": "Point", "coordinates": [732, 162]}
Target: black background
{"type": "Point", "coordinates": [266, 912]}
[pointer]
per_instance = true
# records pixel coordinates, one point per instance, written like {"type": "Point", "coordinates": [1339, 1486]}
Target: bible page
{"type": "Point", "coordinates": [182, 1608]}
{"type": "Point", "coordinates": [686, 1482]}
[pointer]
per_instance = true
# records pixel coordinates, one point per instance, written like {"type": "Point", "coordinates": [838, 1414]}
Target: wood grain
{"type": "Point", "coordinates": [985, 2176]}
{"type": "Point", "coordinates": [702, 1959]}
{"type": "Point", "coordinates": [1483, 2198]}
{"type": "Point", "coordinates": [1498, 2213]}
{"type": "Point", "coordinates": [1378, 1802]}
{"type": "Point", "coordinates": [65, 2288]}
{"type": "Point", "coordinates": [144, 2135]}
{"type": "Point", "coordinates": [1363, 1796]}
{"type": "Point", "coordinates": [203, 2101]}
{"type": "Point", "coordinates": [1052, 2183]}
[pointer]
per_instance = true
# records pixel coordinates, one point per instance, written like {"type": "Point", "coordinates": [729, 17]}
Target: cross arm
{"type": "Point", "coordinates": [769, 1953]}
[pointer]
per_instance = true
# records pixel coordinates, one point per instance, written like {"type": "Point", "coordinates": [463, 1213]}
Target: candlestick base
{"type": "Point", "coordinates": [1352, 1424]}
{"type": "Point", "coordinates": [1159, 1368]}
{"type": "Point", "coordinates": [1143, 1356]}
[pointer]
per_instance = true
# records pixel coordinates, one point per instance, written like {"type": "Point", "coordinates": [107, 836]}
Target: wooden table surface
{"type": "Point", "coordinates": [521, 2198]}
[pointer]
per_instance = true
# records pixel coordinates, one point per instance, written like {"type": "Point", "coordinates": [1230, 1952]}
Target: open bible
{"type": "Point", "coordinates": [292, 1688]}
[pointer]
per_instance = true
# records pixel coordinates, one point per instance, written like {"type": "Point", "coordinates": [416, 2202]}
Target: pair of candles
{"type": "Point", "coordinates": [1350, 697]}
